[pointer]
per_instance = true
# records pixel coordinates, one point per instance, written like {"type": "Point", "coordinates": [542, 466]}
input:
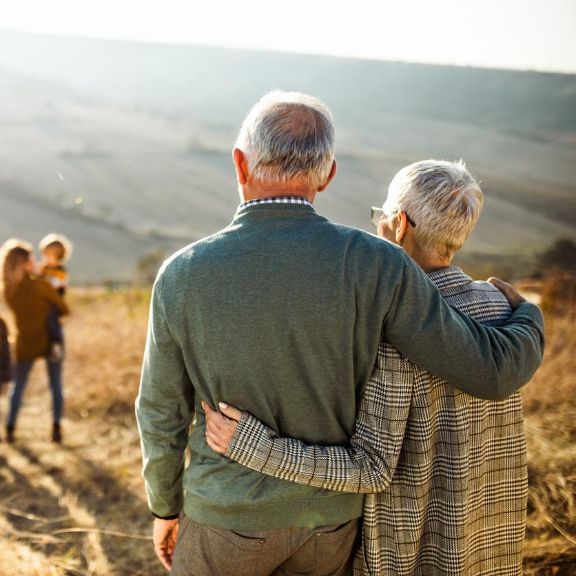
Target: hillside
{"type": "Point", "coordinates": [125, 147]}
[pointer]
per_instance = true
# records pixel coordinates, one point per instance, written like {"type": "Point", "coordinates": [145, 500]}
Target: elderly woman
{"type": "Point", "coordinates": [30, 300]}
{"type": "Point", "coordinates": [445, 472]}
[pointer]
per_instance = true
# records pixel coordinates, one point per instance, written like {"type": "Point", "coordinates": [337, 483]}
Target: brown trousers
{"type": "Point", "coordinates": [207, 551]}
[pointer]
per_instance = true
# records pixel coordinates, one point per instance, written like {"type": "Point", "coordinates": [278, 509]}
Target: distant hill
{"type": "Point", "coordinates": [126, 146]}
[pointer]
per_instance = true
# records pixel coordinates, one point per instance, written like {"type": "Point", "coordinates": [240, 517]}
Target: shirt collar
{"type": "Point", "coordinates": [277, 200]}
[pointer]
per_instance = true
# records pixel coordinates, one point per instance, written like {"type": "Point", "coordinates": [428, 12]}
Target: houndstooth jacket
{"type": "Point", "coordinates": [445, 473]}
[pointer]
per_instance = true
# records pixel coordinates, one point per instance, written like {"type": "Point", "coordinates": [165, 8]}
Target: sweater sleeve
{"type": "Point", "coordinates": [164, 412]}
{"type": "Point", "coordinates": [366, 465]}
{"type": "Point", "coordinates": [486, 362]}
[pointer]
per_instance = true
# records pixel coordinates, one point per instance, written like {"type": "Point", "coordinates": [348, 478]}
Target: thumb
{"type": "Point", "coordinates": [206, 407]}
{"type": "Point", "coordinates": [496, 282]}
{"type": "Point", "coordinates": [230, 411]}
{"type": "Point", "coordinates": [514, 297]}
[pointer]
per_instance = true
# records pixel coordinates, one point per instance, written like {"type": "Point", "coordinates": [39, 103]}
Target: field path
{"type": "Point", "coordinates": [79, 508]}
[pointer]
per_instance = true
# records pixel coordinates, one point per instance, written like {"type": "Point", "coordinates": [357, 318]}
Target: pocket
{"type": "Point", "coordinates": [331, 534]}
{"type": "Point", "coordinates": [219, 552]}
{"type": "Point", "coordinates": [245, 540]}
{"type": "Point", "coordinates": [335, 546]}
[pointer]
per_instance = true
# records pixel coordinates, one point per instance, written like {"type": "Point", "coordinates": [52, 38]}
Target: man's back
{"type": "Point", "coordinates": [282, 312]}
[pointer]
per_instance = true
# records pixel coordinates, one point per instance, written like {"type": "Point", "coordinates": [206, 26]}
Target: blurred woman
{"type": "Point", "coordinates": [31, 300]}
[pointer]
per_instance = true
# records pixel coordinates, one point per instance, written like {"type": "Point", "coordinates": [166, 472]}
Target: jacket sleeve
{"type": "Point", "coordinates": [366, 465]}
{"type": "Point", "coordinates": [486, 362]}
{"type": "Point", "coordinates": [54, 298]}
{"type": "Point", "coordinates": [164, 412]}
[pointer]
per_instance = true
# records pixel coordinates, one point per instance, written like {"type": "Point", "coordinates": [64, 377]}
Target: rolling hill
{"type": "Point", "coordinates": [125, 146]}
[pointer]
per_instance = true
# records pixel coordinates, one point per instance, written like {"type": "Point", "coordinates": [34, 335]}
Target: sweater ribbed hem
{"type": "Point", "coordinates": [289, 513]}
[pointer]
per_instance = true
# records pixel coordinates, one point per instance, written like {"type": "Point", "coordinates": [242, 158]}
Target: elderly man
{"type": "Point", "coordinates": [451, 468]}
{"type": "Point", "coordinates": [282, 311]}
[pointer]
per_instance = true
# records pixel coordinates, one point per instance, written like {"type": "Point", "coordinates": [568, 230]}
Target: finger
{"type": "Point", "coordinates": [497, 282]}
{"type": "Point", "coordinates": [164, 557]}
{"type": "Point", "coordinates": [230, 411]}
{"type": "Point", "coordinates": [164, 534]}
{"type": "Point", "coordinates": [214, 442]}
{"type": "Point", "coordinates": [514, 297]}
{"type": "Point", "coordinates": [219, 440]}
{"type": "Point", "coordinates": [506, 289]}
{"type": "Point", "coordinates": [207, 408]}
{"type": "Point", "coordinates": [216, 422]}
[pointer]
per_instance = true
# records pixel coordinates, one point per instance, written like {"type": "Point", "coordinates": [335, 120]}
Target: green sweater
{"type": "Point", "coordinates": [281, 314]}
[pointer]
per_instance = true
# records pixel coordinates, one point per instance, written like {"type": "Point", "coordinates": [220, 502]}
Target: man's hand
{"type": "Point", "coordinates": [514, 297]}
{"type": "Point", "coordinates": [220, 427]}
{"type": "Point", "coordinates": [165, 534]}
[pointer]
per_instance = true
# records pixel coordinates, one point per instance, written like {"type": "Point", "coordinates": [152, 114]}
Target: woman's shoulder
{"type": "Point", "coordinates": [38, 286]}
{"type": "Point", "coordinates": [40, 283]}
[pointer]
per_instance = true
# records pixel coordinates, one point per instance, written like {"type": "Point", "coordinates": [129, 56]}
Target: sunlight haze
{"type": "Point", "coordinates": [540, 35]}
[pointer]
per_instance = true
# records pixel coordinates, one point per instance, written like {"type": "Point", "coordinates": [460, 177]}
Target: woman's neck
{"type": "Point", "coordinates": [428, 261]}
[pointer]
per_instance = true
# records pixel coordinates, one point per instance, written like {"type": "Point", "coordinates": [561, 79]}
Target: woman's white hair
{"type": "Point", "coordinates": [442, 199]}
{"type": "Point", "coordinates": [288, 135]}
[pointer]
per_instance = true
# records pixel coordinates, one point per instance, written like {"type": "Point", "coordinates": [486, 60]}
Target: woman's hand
{"type": "Point", "coordinates": [220, 426]}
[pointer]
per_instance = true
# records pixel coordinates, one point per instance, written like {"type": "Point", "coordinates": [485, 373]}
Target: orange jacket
{"type": "Point", "coordinates": [31, 303]}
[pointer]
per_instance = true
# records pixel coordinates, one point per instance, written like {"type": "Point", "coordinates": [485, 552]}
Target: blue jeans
{"type": "Point", "coordinates": [55, 332]}
{"type": "Point", "coordinates": [21, 373]}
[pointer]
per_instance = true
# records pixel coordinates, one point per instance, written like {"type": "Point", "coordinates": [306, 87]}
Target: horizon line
{"type": "Point", "coordinates": [257, 49]}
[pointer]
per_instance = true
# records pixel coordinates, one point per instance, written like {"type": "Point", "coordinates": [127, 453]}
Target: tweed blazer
{"type": "Point", "coordinates": [445, 473]}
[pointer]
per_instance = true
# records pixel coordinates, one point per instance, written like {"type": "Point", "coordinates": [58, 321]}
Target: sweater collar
{"type": "Point", "coordinates": [282, 203]}
{"type": "Point", "coordinates": [276, 200]}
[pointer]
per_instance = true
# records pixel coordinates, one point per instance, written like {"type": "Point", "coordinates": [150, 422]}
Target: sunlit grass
{"type": "Point", "coordinates": [80, 509]}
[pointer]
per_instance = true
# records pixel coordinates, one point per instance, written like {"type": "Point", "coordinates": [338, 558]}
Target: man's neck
{"type": "Point", "coordinates": [261, 190]}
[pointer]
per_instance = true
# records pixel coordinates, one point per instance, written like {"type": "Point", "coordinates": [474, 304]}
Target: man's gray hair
{"type": "Point", "coordinates": [441, 198]}
{"type": "Point", "coordinates": [288, 135]}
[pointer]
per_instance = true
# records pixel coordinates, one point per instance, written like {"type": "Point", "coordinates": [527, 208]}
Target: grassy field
{"type": "Point", "coordinates": [79, 508]}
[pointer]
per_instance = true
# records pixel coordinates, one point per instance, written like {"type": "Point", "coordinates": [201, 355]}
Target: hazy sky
{"type": "Point", "coordinates": [526, 34]}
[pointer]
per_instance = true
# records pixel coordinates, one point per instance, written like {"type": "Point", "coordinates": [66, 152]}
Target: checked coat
{"type": "Point", "coordinates": [445, 473]}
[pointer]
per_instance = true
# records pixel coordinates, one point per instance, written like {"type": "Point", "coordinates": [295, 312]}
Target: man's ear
{"type": "Point", "coordinates": [331, 175]}
{"type": "Point", "coordinates": [241, 165]}
{"type": "Point", "coordinates": [401, 226]}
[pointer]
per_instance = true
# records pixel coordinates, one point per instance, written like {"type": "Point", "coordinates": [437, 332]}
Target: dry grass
{"type": "Point", "coordinates": [79, 509]}
{"type": "Point", "coordinates": [550, 409]}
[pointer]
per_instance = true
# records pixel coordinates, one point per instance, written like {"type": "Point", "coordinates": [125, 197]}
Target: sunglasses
{"type": "Point", "coordinates": [376, 215]}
